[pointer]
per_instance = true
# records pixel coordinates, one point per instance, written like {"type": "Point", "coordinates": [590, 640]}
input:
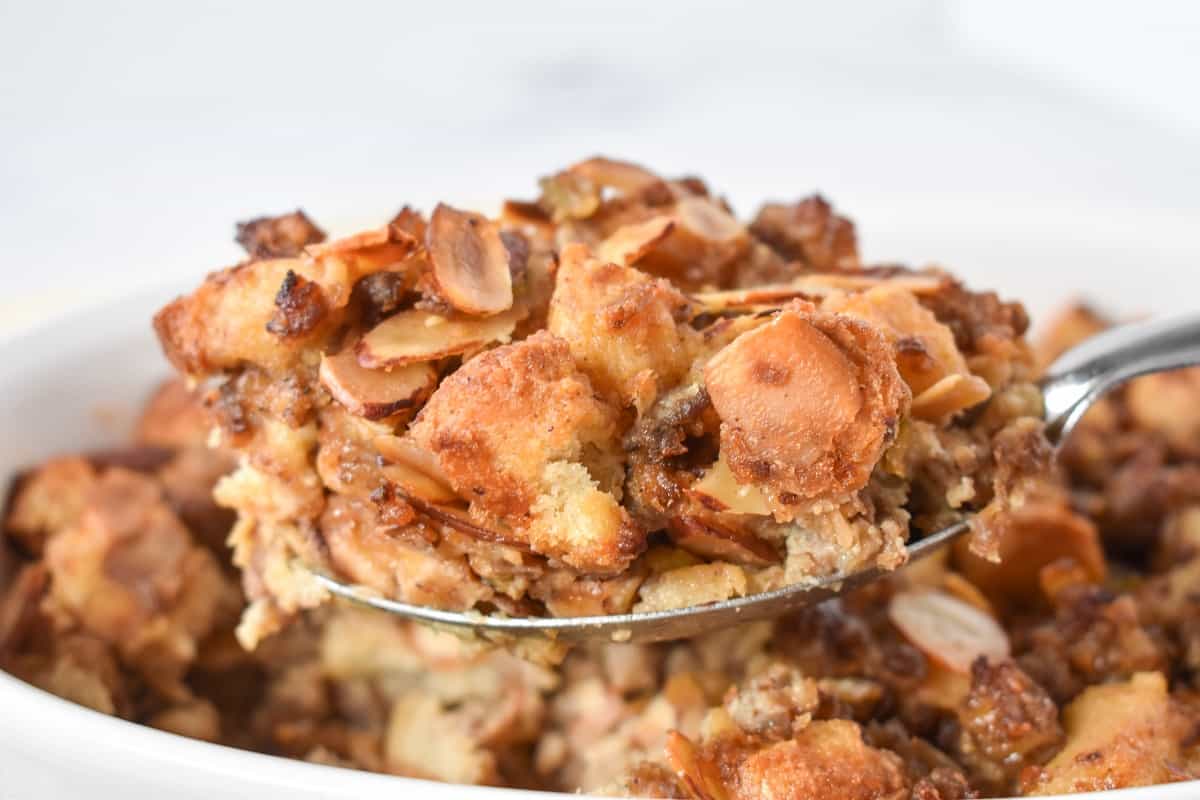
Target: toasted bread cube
{"type": "Point", "coordinates": [626, 330]}
{"type": "Point", "coordinates": [1118, 735]}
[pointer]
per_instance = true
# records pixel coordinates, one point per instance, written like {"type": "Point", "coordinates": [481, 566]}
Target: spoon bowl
{"type": "Point", "coordinates": [1072, 384]}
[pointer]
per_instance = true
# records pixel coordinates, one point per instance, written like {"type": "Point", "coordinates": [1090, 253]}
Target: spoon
{"type": "Point", "coordinates": [1072, 384]}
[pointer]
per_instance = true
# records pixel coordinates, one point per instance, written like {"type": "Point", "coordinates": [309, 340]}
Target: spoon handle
{"type": "Point", "coordinates": [1081, 375]}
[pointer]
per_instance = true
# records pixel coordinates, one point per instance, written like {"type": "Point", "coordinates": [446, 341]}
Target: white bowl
{"type": "Point", "coordinates": [78, 382]}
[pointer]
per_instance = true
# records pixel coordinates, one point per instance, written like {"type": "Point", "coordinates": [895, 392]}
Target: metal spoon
{"type": "Point", "coordinates": [1073, 383]}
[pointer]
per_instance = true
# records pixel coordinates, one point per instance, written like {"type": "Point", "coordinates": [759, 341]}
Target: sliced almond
{"type": "Point", "coordinates": [1039, 533]}
{"type": "Point", "coordinates": [375, 394]}
{"type": "Point", "coordinates": [620, 175]}
{"type": "Point", "coordinates": [760, 297]}
{"type": "Point", "coordinates": [706, 219]}
{"type": "Point", "coordinates": [915, 283]}
{"type": "Point", "coordinates": [960, 588]}
{"type": "Point", "coordinates": [947, 630]}
{"type": "Point", "coordinates": [470, 261]}
{"type": "Point", "coordinates": [414, 470]}
{"type": "Point", "coordinates": [524, 213]}
{"type": "Point", "coordinates": [713, 539]}
{"type": "Point", "coordinates": [413, 336]}
{"type": "Point", "coordinates": [950, 395]}
{"type": "Point", "coordinates": [718, 490]}
{"type": "Point", "coordinates": [812, 287]}
{"type": "Point", "coordinates": [700, 777]}
{"type": "Point", "coordinates": [337, 265]}
{"type": "Point", "coordinates": [807, 403]}
{"type": "Point", "coordinates": [461, 521]}
{"type": "Point", "coordinates": [696, 251]}
{"type": "Point", "coordinates": [630, 242]}
{"type": "Point", "coordinates": [417, 484]}
{"type": "Point", "coordinates": [409, 222]}
{"type": "Point", "coordinates": [925, 348]}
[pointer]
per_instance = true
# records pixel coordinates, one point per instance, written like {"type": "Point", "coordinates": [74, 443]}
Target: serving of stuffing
{"type": "Point", "coordinates": [616, 398]}
{"type": "Point", "coordinates": [620, 398]}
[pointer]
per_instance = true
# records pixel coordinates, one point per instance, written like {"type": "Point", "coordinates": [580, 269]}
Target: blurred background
{"type": "Point", "coordinates": [1047, 148]}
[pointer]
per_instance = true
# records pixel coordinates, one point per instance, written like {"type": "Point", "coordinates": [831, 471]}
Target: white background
{"type": "Point", "coordinates": [1053, 136]}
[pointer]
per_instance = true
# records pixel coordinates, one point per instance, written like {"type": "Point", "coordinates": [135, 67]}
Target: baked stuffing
{"type": "Point", "coordinates": [616, 397]}
{"type": "Point", "coordinates": [619, 397]}
{"type": "Point", "coordinates": [1070, 665]}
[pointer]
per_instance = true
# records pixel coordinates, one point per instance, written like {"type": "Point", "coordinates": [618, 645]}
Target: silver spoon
{"type": "Point", "coordinates": [1073, 383]}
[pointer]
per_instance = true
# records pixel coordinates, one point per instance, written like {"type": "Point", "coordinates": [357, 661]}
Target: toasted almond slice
{"type": "Point", "coordinates": [524, 212]}
{"type": "Point", "coordinates": [700, 777]}
{"type": "Point", "coordinates": [415, 470]}
{"type": "Point", "coordinates": [962, 589]}
{"type": "Point", "coordinates": [413, 336]}
{"type": "Point", "coordinates": [720, 491]}
{"type": "Point", "coordinates": [339, 264]}
{"type": "Point", "coordinates": [470, 261]}
{"type": "Point", "coordinates": [810, 287]}
{"type": "Point", "coordinates": [706, 219]}
{"type": "Point", "coordinates": [807, 404]}
{"type": "Point", "coordinates": [416, 484]}
{"type": "Point", "coordinates": [375, 394]}
{"type": "Point", "coordinates": [460, 521]}
{"type": "Point", "coordinates": [708, 537]}
{"type": "Point", "coordinates": [950, 395]}
{"type": "Point", "coordinates": [620, 175]}
{"type": "Point", "coordinates": [925, 347]}
{"type": "Point", "coordinates": [409, 222]}
{"type": "Point", "coordinates": [753, 299]}
{"type": "Point", "coordinates": [630, 242]}
{"type": "Point", "coordinates": [1039, 533]}
{"type": "Point", "coordinates": [915, 283]}
{"type": "Point", "coordinates": [947, 630]}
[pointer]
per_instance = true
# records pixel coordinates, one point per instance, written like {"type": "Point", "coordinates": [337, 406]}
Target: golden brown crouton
{"type": "Point", "coordinates": [626, 331]}
{"type": "Point", "coordinates": [128, 571]}
{"type": "Point", "coordinates": [925, 347]}
{"type": "Point", "coordinates": [1038, 534]}
{"type": "Point", "coordinates": [1166, 404]}
{"type": "Point", "coordinates": [1118, 735]}
{"type": "Point", "coordinates": [498, 421]}
{"type": "Point", "coordinates": [807, 404]}
{"type": "Point", "coordinates": [520, 426]}
{"type": "Point", "coordinates": [48, 500]}
{"type": "Point", "coordinates": [825, 761]}
{"type": "Point", "coordinates": [267, 312]}
{"type": "Point", "coordinates": [173, 418]}
{"type": "Point", "coordinates": [223, 324]}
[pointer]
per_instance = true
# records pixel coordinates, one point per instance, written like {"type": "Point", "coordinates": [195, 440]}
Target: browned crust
{"type": "Point", "coordinates": [808, 231]}
{"type": "Point", "coordinates": [281, 236]}
{"type": "Point", "coordinates": [299, 307]}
